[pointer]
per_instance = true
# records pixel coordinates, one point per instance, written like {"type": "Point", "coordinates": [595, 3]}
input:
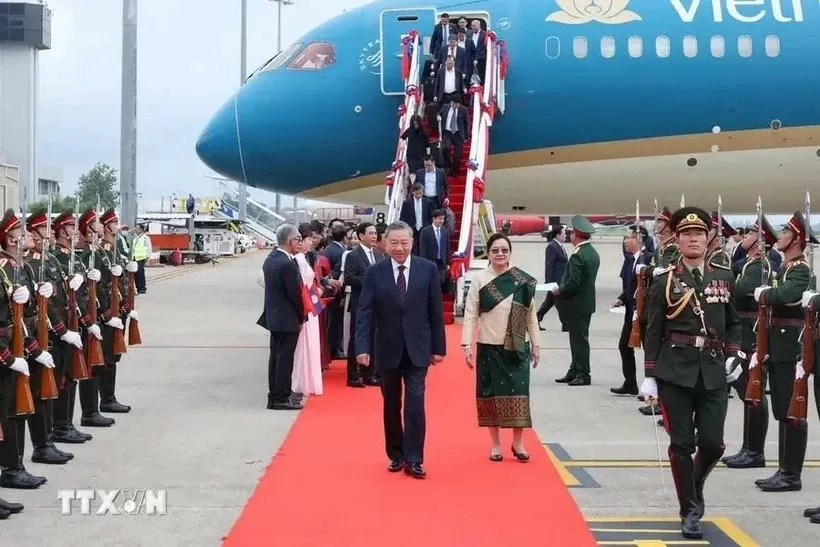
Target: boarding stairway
{"type": "Point", "coordinates": [261, 220]}
{"type": "Point", "coordinates": [468, 187]}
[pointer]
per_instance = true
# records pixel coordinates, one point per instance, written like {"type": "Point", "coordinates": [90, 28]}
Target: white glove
{"type": "Point", "coordinates": [95, 331]}
{"type": "Point", "coordinates": [46, 290]}
{"type": "Point", "coordinates": [639, 268]}
{"type": "Point", "coordinates": [799, 371]}
{"type": "Point", "coordinates": [73, 338]}
{"type": "Point", "coordinates": [20, 365]}
{"type": "Point", "coordinates": [134, 315]}
{"type": "Point", "coordinates": [658, 271]}
{"type": "Point", "coordinates": [116, 270]}
{"type": "Point", "coordinates": [753, 361]}
{"type": "Point", "coordinates": [131, 267]}
{"type": "Point", "coordinates": [21, 295]}
{"type": "Point", "coordinates": [807, 296]}
{"type": "Point", "coordinates": [760, 290]}
{"type": "Point", "coordinates": [115, 322]}
{"type": "Point", "coordinates": [94, 275]}
{"type": "Point", "coordinates": [733, 369]}
{"type": "Point", "coordinates": [45, 359]}
{"type": "Point", "coordinates": [649, 388]}
{"type": "Point", "coordinates": [76, 282]}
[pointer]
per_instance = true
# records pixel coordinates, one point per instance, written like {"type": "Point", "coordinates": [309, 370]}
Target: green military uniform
{"type": "Point", "coordinates": [756, 271]}
{"type": "Point", "coordinates": [692, 329]}
{"type": "Point", "coordinates": [720, 259]}
{"type": "Point", "coordinates": [813, 513]}
{"type": "Point", "coordinates": [668, 254]}
{"type": "Point", "coordinates": [785, 324]}
{"type": "Point", "coordinates": [576, 301]}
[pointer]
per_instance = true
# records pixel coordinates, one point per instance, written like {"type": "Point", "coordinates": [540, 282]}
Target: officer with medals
{"type": "Point", "coordinates": [63, 228]}
{"type": "Point", "coordinates": [783, 299]}
{"type": "Point", "coordinates": [14, 271]}
{"type": "Point", "coordinates": [811, 300]}
{"type": "Point", "coordinates": [755, 417]}
{"type": "Point", "coordinates": [692, 342]}
{"type": "Point", "coordinates": [716, 253]}
{"type": "Point", "coordinates": [116, 282]}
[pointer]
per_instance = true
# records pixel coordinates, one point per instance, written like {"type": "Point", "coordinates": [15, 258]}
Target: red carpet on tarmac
{"type": "Point", "coordinates": [328, 485]}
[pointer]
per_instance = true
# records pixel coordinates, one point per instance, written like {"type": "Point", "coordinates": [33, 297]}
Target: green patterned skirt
{"type": "Point", "coordinates": [502, 387]}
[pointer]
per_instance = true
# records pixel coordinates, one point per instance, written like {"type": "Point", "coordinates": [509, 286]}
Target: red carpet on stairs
{"type": "Point", "coordinates": [328, 485]}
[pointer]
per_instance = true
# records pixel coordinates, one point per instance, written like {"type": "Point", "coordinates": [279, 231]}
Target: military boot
{"type": "Point", "coordinates": [781, 456]}
{"type": "Point", "coordinates": [90, 404]}
{"type": "Point", "coordinates": [108, 385]}
{"type": "Point", "coordinates": [755, 439]}
{"type": "Point", "coordinates": [745, 446]}
{"type": "Point", "coordinates": [812, 512]}
{"type": "Point", "coordinates": [11, 507]}
{"type": "Point", "coordinates": [13, 473]}
{"type": "Point", "coordinates": [795, 454]}
{"type": "Point", "coordinates": [683, 474]}
{"type": "Point", "coordinates": [705, 462]}
{"type": "Point", "coordinates": [43, 451]}
{"type": "Point", "coordinates": [70, 423]}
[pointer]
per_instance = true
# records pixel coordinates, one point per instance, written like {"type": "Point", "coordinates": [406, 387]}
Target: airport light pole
{"type": "Point", "coordinates": [278, 205]}
{"type": "Point", "coordinates": [243, 69]}
{"type": "Point", "coordinates": [128, 115]}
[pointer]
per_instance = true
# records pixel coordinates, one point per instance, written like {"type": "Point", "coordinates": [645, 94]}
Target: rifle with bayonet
{"type": "Point", "coordinates": [79, 368]}
{"type": "Point", "coordinates": [24, 402]}
{"type": "Point", "coordinates": [95, 353]}
{"type": "Point", "coordinates": [118, 336]}
{"type": "Point", "coordinates": [640, 288]}
{"type": "Point", "coordinates": [134, 335]}
{"type": "Point", "coordinates": [48, 384]}
{"type": "Point", "coordinates": [798, 406]}
{"type": "Point", "coordinates": [756, 384]}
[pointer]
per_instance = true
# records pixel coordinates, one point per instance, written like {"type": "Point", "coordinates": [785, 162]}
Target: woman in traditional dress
{"type": "Point", "coordinates": [307, 360]}
{"type": "Point", "coordinates": [500, 302]}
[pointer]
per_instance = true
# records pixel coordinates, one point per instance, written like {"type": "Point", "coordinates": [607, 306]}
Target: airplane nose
{"type": "Point", "coordinates": [218, 146]}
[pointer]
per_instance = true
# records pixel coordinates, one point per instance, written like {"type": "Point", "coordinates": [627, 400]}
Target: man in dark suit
{"type": "Point", "coordinates": [335, 310]}
{"type": "Point", "coordinates": [477, 49]}
{"type": "Point", "coordinates": [554, 267]}
{"type": "Point", "coordinates": [434, 182]}
{"type": "Point", "coordinates": [450, 83]}
{"type": "Point", "coordinates": [442, 33]}
{"type": "Point", "coordinates": [458, 54]}
{"type": "Point", "coordinates": [283, 315]}
{"type": "Point", "coordinates": [356, 263]}
{"type": "Point", "coordinates": [417, 212]}
{"type": "Point", "coordinates": [401, 300]}
{"type": "Point", "coordinates": [636, 257]}
{"type": "Point", "coordinates": [455, 131]}
{"type": "Point", "coordinates": [434, 245]}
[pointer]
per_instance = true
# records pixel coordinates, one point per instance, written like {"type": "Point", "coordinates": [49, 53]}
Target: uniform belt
{"type": "Point", "coordinates": [695, 341]}
{"type": "Point", "coordinates": [747, 314]}
{"type": "Point", "coordinates": [786, 322]}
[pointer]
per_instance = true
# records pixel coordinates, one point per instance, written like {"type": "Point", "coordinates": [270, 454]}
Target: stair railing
{"type": "Point", "coordinates": [396, 184]}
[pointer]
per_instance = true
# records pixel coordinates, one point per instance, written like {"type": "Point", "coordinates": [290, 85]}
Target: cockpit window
{"type": "Point", "coordinates": [279, 59]}
{"type": "Point", "coordinates": [316, 56]}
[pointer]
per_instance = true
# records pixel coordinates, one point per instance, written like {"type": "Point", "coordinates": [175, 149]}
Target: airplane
{"type": "Point", "coordinates": [606, 101]}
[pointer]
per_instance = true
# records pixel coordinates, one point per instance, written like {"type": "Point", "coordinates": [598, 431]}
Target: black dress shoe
{"type": "Point", "coordinates": [82, 434]}
{"type": "Point", "coordinates": [67, 436]}
{"type": "Point", "coordinates": [287, 405]}
{"type": "Point", "coordinates": [11, 507]}
{"type": "Point", "coordinates": [786, 482]}
{"type": "Point", "coordinates": [96, 420]}
{"type": "Point", "coordinates": [20, 479]}
{"type": "Point", "coordinates": [746, 460]}
{"type": "Point", "coordinates": [653, 409]}
{"type": "Point", "coordinates": [48, 454]}
{"type": "Point", "coordinates": [565, 379]}
{"type": "Point", "coordinates": [114, 407]}
{"type": "Point", "coordinates": [578, 381]}
{"type": "Point", "coordinates": [808, 513]}
{"type": "Point", "coordinates": [690, 526]}
{"type": "Point", "coordinates": [356, 383]}
{"type": "Point", "coordinates": [626, 389]}
{"type": "Point", "coordinates": [372, 382]}
{"type": "Point", "coordinates": [395, 466]}
{"type": "Point", "coordinates": [415, 470]}
{"type": "Point", "coordinates": [815, 519]}
{"type": "Point", "coordinates": [68, 455]}
{"type": "Point", "coordinates": [776, 476]}
{"type": "Point", "coordinates": [4, 514]}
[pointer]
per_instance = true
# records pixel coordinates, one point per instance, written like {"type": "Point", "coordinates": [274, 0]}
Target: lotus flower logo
{"type": "Point", "coordinates": [578, 12]}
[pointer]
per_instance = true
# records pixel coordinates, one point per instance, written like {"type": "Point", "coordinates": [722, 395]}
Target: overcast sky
{"type": "Point", "coordinates": [188, 67]}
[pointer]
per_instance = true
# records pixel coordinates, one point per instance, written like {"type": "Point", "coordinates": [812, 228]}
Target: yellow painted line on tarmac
{"type": "Point", "coordinates": [635, 530]}
{"type": "Point", "coordinates": [565, 474]}
{"type": "Point", "coordinates": [735, 534]}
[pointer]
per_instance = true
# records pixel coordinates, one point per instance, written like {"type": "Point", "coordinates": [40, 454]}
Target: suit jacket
{"type": "Point", "coordinates": [460, 57]}
{"type": "Point", "coordinates": [408, 212]}
{"type": "Point", "coordinates": [442, 184]}
{"type": "Point", "coordinates": [440, 83]}
{"type": "Point", "coordinates": [417, 324]}
{"type": "Point", "coordinates": [555, 262]}
{"type": "Point", "coordinates": [284, 311]}
{"type": "Point", "coordinates": [576, 296]}
{"type": "Point", "coordinates": [356, 264]}
{"type": "Point", "coordinates": [461, 120]}
{"type": "Point", "coordinates": [477, 52]}
{"type": "Point", "coordinates": [628, 279]}
{"type": "Point", "coordinates": [429, 247]}
{"type": "Point", "coordinates": [334, 252]}
{"type": "Point", "coordinates": [437, 40]}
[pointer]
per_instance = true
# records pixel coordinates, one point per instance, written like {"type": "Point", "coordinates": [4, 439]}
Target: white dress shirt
{"type": "Point", "coordinates": [437, 232]}
{"type": "Point", "coordinates": [406, 271]}
{"type": "Point", "coordinates": [450, 80]}
{"type": "Point", "coordinates": [368, 252]}
{"type": "Point", "coordinates": [430, 189]}
{"type": "Point", "coordinates": [418, 208]}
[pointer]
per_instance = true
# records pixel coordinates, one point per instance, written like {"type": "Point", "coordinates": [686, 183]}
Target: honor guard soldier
{"type": "Point", "coordinates": [19, 284]}
{"type": "Point", "coordinates": [783, 298]}
{"type": "Point", "coordinates": [692, 340]}
{"type": "Point", "coordinates": [63, 228]}
{"type": "Point", "coordinates": [576, 300]}
{"type": "Point", "coordinates": [811, 301]}
{"type": "Point", "coordinates": [91, 257]}
{"type": "Point", "coordinates": [716, 253]}
{"type": "Point", "coordinates": [755, 417]}
{"type": "Point", "coordinates": [116, 282]}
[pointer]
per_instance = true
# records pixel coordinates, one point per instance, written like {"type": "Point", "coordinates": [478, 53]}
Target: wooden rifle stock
{"type": "Point", "coordinates": [48, 384]}
{"type": "Point", "coordinates": [134, 335]}
{"type": "Point", "coordinates": [640, 306]}
{"type": "Point", "coordinates": [95, 354]}
{"type": "Point", "coordinates": [118, 336]}
{"type": "Point", "coordinates": [79, 369]}
{"type": "Point", "coordinates": [799, 404]}
{"type": "Point", "coordinates": [24, 402]}
{"type": "Point", "coordinates": [755, 388]}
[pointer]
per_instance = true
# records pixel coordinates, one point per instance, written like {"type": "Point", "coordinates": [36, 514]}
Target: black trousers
{"type": "Point", "coordinates": [627, 354]}
{"type": "Point", "coordinates": [13, 443]}
{"type": "Point", "coordinates": [685, 409]}
{"type": "Point", "coordinates": [546, 306]}
{"type": "Point", "coordinates": [139, 278]}
{"type": "Point", "coordinates": [452, 158]}
{"type": "Point", "coordinates": [404, 441]}
{"type": "Point", "coordinates": [335, 327]}
{"type": "Point", "coordinates": [781, 383]}
{"type": "Point", "coordinates": [280, 365]}
{"type": "Point", "coordinates": [354, 370]}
